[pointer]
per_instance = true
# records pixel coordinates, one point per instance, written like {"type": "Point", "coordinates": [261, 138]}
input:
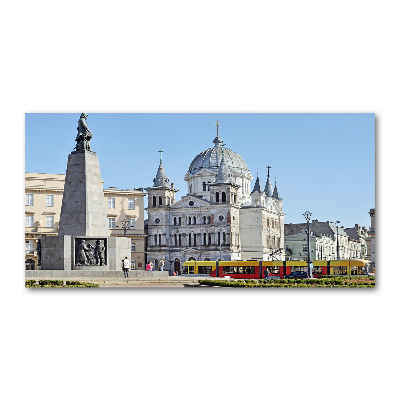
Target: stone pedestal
{"type": "Point", "coordinates": [83, 242]}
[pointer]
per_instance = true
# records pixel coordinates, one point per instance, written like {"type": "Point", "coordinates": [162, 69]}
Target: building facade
{"type": "Point", "coordinates": [336, 233]}
{"type": "Point", "coordinates": [43, 199]}
{"type": "Point", "coordinates": [371, 238]}
{"type": "Point", "coordinates": [358, 237]}
{"type": "Point", "coordinates": [323, 247]}
{"type": "Point", "coordinates": [218, 219]}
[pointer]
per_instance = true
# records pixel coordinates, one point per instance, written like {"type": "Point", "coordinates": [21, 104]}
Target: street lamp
{"type": "Point", "coordinates": [337, 239]}
{"type": "Point", "coordinates": [125, 225]}
{"type": "Point", "coordinates": [307, 216]}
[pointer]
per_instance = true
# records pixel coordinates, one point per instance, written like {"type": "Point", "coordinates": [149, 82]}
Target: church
{"type": "Point", "coordinates": [220, 218]}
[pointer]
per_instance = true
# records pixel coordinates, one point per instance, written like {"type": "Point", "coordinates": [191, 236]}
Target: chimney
{"type": "Point", "coordinates": [172, 185]}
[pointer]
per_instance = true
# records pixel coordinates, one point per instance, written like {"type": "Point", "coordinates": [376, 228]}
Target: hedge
{"type": "Point", "coordinates": [58, 284]}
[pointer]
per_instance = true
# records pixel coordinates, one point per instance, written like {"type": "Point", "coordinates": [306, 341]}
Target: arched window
{"type": "Point", "coordinates": [176, 240]}
{"type": "Point", "coordinates": [223, 197]}
{"type": "Point", "coordinates": [194, 239]}
{"type": "Point", "coordinates": [190, 239]}
{"type": "Point", "coordinates": [219, 238]}
{"type": "Point", "coordinates": [206, 259]}
{"type": "Point", "coordinates": [190, 221]}
{"type": "Point", "coordinates": [209, 186]}
{"type": "Point", "coordinates": [224, 237]}
{"type": "Point", "coordinates": [180, 220]}
{"type": "Point", "coordinates": [204, 239]}
{"type": "Point", "coordinates": [204, 187]}
{"type": "Point", "coordinates": [180, 240]}
{"type": "Point", "coordinates": [159, 239]}
{"type": "Point", "coordinates": [234, 198]}
{"type": "Point", "coordinates": [159, 200]}
{"type": "Point", "coordinates": [209, 219]}
{"type": "Point", "coordinates": [154, 201]}
{"type": "Point", "coordinates": [194, 220]}
{"type": "Point", "coordinates": [209, 239]}
{"type": "Point", "coordinates": [155, 240]}
{"type": "Point", "coordinates": [204, 220]}
{"type": "Point", "coordinates": [217, 197]}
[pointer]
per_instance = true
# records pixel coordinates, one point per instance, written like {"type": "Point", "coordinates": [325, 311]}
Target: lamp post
{"type": "Point", "coordinates": [337, 239]}
{"type": "Point", "coordinates": [125, 225]}
{"type": "Point", "coordinates": [307, 216]}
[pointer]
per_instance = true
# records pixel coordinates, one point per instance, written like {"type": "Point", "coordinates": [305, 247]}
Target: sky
{"type": "Point", "coordinates": [323, 163]}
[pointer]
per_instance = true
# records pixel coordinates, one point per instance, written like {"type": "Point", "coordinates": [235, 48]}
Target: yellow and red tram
{"type": "Point", "coordinates": [276, 269]}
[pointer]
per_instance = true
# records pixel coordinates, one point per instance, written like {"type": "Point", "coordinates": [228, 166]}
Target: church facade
{"type": "Point", "coordinates": [220, 218]}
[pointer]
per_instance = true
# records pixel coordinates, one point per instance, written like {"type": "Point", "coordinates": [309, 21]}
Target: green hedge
{"type": "Point", "coordinates": [324, 282]}
{"type": "Point", "coordinates": [59, 284]}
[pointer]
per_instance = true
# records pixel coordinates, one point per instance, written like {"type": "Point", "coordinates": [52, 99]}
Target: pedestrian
{"type": "Point", "coordinates": [162, 263]}
{"type": "Point", "coordinates": [148, 266]}
{"type": "Point", "coordinates": [266, 274]}
{"type": "Point", "coordinates": [126, 267]}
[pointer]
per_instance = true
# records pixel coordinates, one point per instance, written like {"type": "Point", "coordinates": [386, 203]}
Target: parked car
{"type": "Point", "coordinates": [297, 275]}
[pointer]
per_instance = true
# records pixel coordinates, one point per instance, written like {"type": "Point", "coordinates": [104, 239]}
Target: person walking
{"type": "Point", "coordinates": [126, 267]}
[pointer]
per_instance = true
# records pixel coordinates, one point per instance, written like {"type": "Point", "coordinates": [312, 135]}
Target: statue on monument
{"type": "Point", "coordinates": [84, 135]}
{"type": "Point", "coordinates": [83, 258]}
{"type": "Point", "coordinates": [99, 253]}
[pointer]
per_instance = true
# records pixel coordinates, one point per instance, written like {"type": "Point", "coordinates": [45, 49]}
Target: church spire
{"type": "Point", "coordinates": [275, 195]}
{"type": "Point", "coordinates": [268, 186]}
{"type": "Point", "coordinates": [223, 173]}
{"type": "Point", "coordinates": [218, 141]}
{"type": "Point", "coordinates": [257, 187]}
{"type": "Point", "coordinates": [161, 179]}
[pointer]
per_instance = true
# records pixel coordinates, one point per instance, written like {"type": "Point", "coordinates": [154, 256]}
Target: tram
{"type": "Point", "coordinates": [276, 269]}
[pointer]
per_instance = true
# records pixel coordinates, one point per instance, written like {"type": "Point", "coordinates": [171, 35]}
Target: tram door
{"type": "Point", "coordinates": [177, 265]}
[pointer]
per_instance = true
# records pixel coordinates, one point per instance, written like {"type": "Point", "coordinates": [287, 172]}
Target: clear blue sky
{"type": "Point", "coordinates": [324, 163]}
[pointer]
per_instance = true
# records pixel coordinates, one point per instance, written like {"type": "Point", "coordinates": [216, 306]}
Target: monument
{"type": "Point", "coordinates": [83, 241]}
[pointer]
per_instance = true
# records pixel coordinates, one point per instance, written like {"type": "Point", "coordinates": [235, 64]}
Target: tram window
{"type": "Point", "coordinates": [185, 269]}
{"type": "Point", "coordinates": [273, 270]}
{"type": "Point", "coordinates": [317, 270]}
{"type": "Point", "coordinates": [238, 270]}
{"type": "Point", "coordinates": [204, 269]}
{"type": "Point", "coordinates": [191, 270]}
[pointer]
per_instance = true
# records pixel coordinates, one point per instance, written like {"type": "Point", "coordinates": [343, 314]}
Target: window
{"type": "Point", "coordinates": [217, 197]}
{"type": "Point", "coordinates": [209, 186]}
{"type": "Point", "coordinates": [49, 200]}
{"type": "Point", "coordinates": [174, 220]}
{"type": "Point", "coordinates": [111, 202]}
{"type": "Point", "coordinates": [159, 239]}
{"type": "Point", "coordinates": [180, 240]}
{"type": "Point", "coordinates": [176, 240]}
{"type": "Point", "coordinates": [190, 221]}
{"type": "Point", "coordinates": [204, 239]}
{"type": "Point", "coordinates": [224, 237]}
{"type": "Point", "coordinates": [223, 197]}
{"type": "Point", "coordinates": [29, 221]}
{"type": "Point", "coordinates": [131, 204]}
{"type": "Point", "coordinates": [194, 220]}
{"type": "Point", "coordinates": [29, 199]}
{"type": "Point", "coordinates": [209, 239]}
{"type": "Point", "coordinates": [133, 264]}
{"type": "Point", "coordinates": [190, 188]}
{"type": "Point", "coordinates": [155, 240]}
{"type": "Point", "coordinates": [194, 239]}
{"type": "Point", "coordinates": [221, 217]}
{"type": "Point", "coordinates": [49, 222]}
{"type": "Point", "coordinates": [190, 239]}
{"type": "Point", "coordinates": [131, 223]}
{"type": "Point", "coordinates": [29, 246]}
{"type": "Point", "coordinates": [111, 223]}
{"type": "Point", "coordinates": [191, 203]}
{"type": "Point", "coordinates": [204, 187]}
{"type": "Point", "coordinates": [154, 201]}
{"type": "Point", "coordinates": [133, 247]}
{"type": "Point", "coordinates": [305, 248]}
{"type": "Point", "coordinates": [219, 238]}
{"type": "Point", "coordinates": [159, 200]}
{"type": "Point", "coordinates": [209, 219]}
{"type": "Point", "coordinates": [204, 220]}
{"type": "Point", "coordinates": [180, 220]}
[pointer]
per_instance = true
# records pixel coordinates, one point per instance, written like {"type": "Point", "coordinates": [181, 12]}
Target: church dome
{"type": "Point", "coordinates": [212, 157]}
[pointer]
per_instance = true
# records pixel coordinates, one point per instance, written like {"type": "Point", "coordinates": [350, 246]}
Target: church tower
{"type": "Point", "coordinates": [160, 198]}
